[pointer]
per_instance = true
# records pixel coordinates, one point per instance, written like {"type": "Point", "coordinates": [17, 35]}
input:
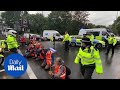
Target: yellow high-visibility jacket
{"type": "Point", "coordinates": [90, 58]}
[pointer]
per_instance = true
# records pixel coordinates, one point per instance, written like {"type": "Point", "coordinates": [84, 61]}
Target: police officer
{"type": "Point", "coordinates": [89, 59]}
{"type": "Point", "coordinates": [111, 44]}
{"type": "Point", "coordinates": [66, 39]}
{"type": "Point", "coordinates": [12, 41]}
{"type": "Point", "coordinates": [91, 37]}
{"type": "Point", "coordinates": [54, 40]}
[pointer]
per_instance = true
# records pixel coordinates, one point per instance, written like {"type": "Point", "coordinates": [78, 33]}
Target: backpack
{"type": "Point", "coordinates": [68, 71]}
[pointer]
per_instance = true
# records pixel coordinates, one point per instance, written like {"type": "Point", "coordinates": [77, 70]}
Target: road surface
{"type": "Point", "coordinates": [111, 70]}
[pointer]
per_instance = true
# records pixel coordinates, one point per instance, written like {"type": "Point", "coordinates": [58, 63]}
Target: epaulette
{"type": "Point", "coordinates": [96, 48]}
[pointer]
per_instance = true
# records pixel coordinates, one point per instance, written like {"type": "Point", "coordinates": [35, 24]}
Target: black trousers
{"type": "Point", "coordinates": [23, 44]}
{"type": "Point", "coordinates": [66, 45]}
{"type": "Point", "coordinates": [87, 71]}
{"type": "Point", "coordinates": [110, 46]}
{"type": "Point", "coordinates": [13, 50]}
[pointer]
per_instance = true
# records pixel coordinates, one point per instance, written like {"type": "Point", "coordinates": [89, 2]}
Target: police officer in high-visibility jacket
{"type": "Point", "coordinates": [12, 41]}
{"type": "Point", "coordinates": [66, 39]}
{"type": "Point", "coordinates": [2, 44]}
{"type": "Point", "coordinates": [91, 37]}
{"type": "Point", "coordinates": [111, 43]}
{"type": "Point", "coordinates": [89, 59]}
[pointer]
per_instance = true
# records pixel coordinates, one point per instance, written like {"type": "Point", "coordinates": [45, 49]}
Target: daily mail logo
{"type": "Point", "coordinates": [15, 65]}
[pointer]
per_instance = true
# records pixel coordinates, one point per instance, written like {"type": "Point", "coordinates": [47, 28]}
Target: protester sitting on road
{"type": "Point", "coordinates": [22, 41]}
{"type": "Point", "coordinates": [40, 53]}
{"type": "Point", "coordinates": [30, 51]}
{"type": "Point", "coordinates": [49, 59]}
{"type": "Point", "coordinates": [27, 51]}
{"type": "Point", "coordinates": [59, 70]}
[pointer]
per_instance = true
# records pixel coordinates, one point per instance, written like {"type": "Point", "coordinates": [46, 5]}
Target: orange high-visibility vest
{"type": "Point", "coordinates": [48, 57]}
{"type": "Point", "coordinates": [63, 75]}
{"type": "Point", "coordinates": [42, 57]}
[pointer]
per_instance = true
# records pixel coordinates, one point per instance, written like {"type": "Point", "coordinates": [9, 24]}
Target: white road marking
{"type": "Point", "coordinates": [29, 70]}
{"type": "Point", "coordinates": [2, 70]}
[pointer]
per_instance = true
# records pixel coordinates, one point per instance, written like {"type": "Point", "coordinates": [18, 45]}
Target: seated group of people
{"type": "Point", "coordinates": [58, 69]}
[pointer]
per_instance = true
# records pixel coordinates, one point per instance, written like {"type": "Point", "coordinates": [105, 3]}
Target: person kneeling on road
{"type": "Point", "coordinates": [49, 59]}
{"type": "Point", "coordinates": [59, 70]}
{"type": "Point", "coordinates": [41, 52]}
{"type": "Point", "coordinates": [29, 52]}
{"type": "Point", "coordinates": [89, 59]}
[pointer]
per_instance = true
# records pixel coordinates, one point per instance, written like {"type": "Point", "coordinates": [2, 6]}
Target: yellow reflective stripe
{"type": "Point", "coordinates": [83, 57]}
{"type": "Point", "coordinates": [78, 56]}
{"type": "Point", "coordinates": [88, 61]}
{"type": "Point", "coordinates": [11, 41]}
{"type": "Point", "coordinates": [97, 58]}
{"type": "Point", "coordinates": [86, 58]}
{"type": "Point", "coordinates": [99, 64]}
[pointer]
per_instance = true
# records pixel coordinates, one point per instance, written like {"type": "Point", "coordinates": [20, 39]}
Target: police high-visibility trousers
{"type": "Point", "coordinates": [87, 71]}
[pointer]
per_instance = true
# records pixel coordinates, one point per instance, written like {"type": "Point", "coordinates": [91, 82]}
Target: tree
{"type": "Point", "coordinates": [60, 21]}
{"type": "Point", "coordinates": [79, 20]}
{"type": "Point", "coordinates": [116, 26]}
{"type": "Point", "coordinates": [10, 17]}
{"type": "Point", "coordinates": [37, 22]}
{"type": "Point", "coordinates": [90, 25]}
{"type": "Point", "coordinates": [100, 26]}
{"type": "Point", "coordinates": [80, 16]}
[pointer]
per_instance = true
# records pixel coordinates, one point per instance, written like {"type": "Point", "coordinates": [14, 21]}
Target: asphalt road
{"type": "Point", "coordinates": [111, 70]}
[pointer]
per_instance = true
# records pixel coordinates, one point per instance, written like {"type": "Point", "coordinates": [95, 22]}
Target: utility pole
{"type": "Point", "coordinates": [117, 15]}
{"type": "Point", "coordinates": [24, 21]}
{"type": "Point", "coordinates": [42, 12]}
{"type": "Point", "coordinates": [116, 23]}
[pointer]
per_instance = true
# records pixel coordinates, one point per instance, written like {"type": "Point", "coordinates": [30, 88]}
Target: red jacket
{"type": "Point", "coordinates": [22, 39]}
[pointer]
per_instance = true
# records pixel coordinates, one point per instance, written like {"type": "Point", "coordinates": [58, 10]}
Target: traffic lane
{"type": "Point", "coordinates": [24, 76]}
{"type": "Point", "coordinates": [109, 69]}
{"type": "Point", "coordinates": [41, 73]}
{"type": "Point", "coordinates": [115, 65]}
{"type": "Point", "coordinates": [36, 67]}
{"type": "Point", "coordinates": [68, 57]}
{"type": "Point", "coordinates": [3, 74]}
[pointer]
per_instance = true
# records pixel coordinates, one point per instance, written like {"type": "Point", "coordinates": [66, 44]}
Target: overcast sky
{"type": "Point", "coordinates": [96, 17]}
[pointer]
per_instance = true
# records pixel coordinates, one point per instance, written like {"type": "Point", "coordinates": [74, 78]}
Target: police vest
{"type": "Point", "coordinates": [11, 42]}
{"type": "Point", "coordinates": [112, 40]}
{"type": "Point", "coordinates": [77, 40]}
{"type": "Point", "coordinates": [2, 44]}
{"type": "Point", "coordinates": [87, 58]}
{"type": "Point", "coordinates": [67, 38]}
